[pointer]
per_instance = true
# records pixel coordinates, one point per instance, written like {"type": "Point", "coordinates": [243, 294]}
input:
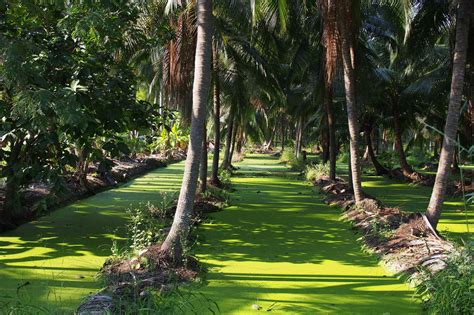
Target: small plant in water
{"type": "Point", "coordinates": [163, 207]}
{"type": "Point", "coordinates": [144, 227]}
{"type": "Point", "coordinates": [317, 171]}
{"type": "Point", "coordinates": [287, 155]}
{"type": "Point", "coordinates": [224, 176]}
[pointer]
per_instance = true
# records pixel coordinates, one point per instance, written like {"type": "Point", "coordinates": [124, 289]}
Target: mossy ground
{"type": "Point", "coordinates": [277, 243]}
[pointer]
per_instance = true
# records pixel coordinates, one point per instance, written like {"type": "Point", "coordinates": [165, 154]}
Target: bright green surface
{"type": "Point", "coordinates": [56, 251]}
{"type": "Point", "coordinates": [279, 243]}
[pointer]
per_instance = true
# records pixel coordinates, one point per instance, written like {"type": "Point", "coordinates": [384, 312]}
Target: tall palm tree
{"type": "Point", "coordinates": [217, 115]}
{"type": "Point", "coordinates": [203, 167]}
{"type": "Point", "coordinates": [173, 244]}
{"type": "Point", "coordinates": [331, 54]}
{"type": "Point", "coordinates": [450, 129]}
{"type": "Point", "coordinates": [346, 25]}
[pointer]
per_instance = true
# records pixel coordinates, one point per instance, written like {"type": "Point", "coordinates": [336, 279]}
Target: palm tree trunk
{"type": "Point", "coordinates": [349, 86]}
{"type": "Point", "coordinates": [299, 136]}
{"type": "Point", "coordinates": [282, 135]}
{"type": "Point", "coordinates": [325, 145]}
{"type": "Point", "coordinates": [203, 166]}
{"type": "Point", "coordinates": [234, 137]}
{"type": "Point", "coordinates": [217, 118]}
{"type": "Point", "coordinates": [228, 141]}
{"type": "Point", "coordinates": [240, 142]}
{"type": "Point", "coordinates": [450, 129]}
{"type": "Point", "coordinates": [173, 244]}
{"type": "Point", "coordinates": [332, 132]}
{"type": "Point", "coordinates": [379, 168]}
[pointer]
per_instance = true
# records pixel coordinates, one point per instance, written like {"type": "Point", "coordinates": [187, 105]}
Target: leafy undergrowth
{"type": "Point", "coordinates": [407, 244]}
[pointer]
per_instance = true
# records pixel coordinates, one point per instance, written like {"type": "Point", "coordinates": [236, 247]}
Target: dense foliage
{"type": "Point", "coordinates": [67, 91]}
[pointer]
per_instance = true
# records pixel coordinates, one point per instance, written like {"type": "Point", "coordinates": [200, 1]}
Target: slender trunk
{"type": "Point", "coordinates": [269, 140]}
{"type": "Point", "coordinates": [397, 141]}
{"type": "Point", "coordinates": [365, 157]}
{"type": "Point", "coordinates": [377, 141]}
{"type": "Point", "coordinates": [349, 169]}
{"type": "Point", "coordinates": [299, 133]}
{"type": "Point", "coordinates": [240, 142]}
{"type": "Point", "coordinates": [173, 244]}
{"type": "Point", "coordinates": [332, 132]}
{"type": "Point", "coordinates": [217, 118]}
{"type": "Point", "coordinates": [349, 86]}
{"type": "Point", "coordinates": [82, 167]}
{"type": "Point", "coordinates": [379, 168]}
{"type": "Point", "coordinates": [234, 136]}
{"type": "Point", "coordinates": [203, 166]}
{"type": "Point", "coordinates": [228, 141]}
{"type": "Point", "coordinates": [282, 130]}
{"type": "Point", "coordinates": [384, 140]}
{"type": "Point", "coordinates": [450, 129]}
{"type": "Point", "coordinates": [325, 145]}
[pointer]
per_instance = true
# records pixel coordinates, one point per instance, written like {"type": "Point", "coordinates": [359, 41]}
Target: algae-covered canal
{"type": "Point", "coordinates": [54, 260]}
{"type": "Point", "coordinates": [277, 244]}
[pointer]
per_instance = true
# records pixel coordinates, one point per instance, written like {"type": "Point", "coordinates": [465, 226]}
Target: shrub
{"type": "Point", "coordinates": [218, 193]}
{"type": "Point", "coordinates": [294, 163]}
{"type": "Point", "coordinates": [343, 157]}
{"type": "Point", "coordinates": [144, 228]}
{"type": "Point", "coordinates": [316, 171]}
{"type": "Point", "coordinates": [163, 207]}
{"type": "Point", "coordinates": [287, 155]}
{"type": "Point", "coordinates": [448, 291]}
{"type": "Point", "coordinates": [224, 177]}
{"type": "Point", "coordinates": [297, 164]}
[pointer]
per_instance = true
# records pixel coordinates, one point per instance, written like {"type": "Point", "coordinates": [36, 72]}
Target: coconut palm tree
{"type": "Point", "coordinates": [329, 40]}
{"type": "Point", "coordinates": [450, 129]}
{"type": "Point", "coordinates": [217, 115]}
{"type": "Point", "coordinates": [173, 244]}
{"type": "Point", "coordinates": [347, 30]}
